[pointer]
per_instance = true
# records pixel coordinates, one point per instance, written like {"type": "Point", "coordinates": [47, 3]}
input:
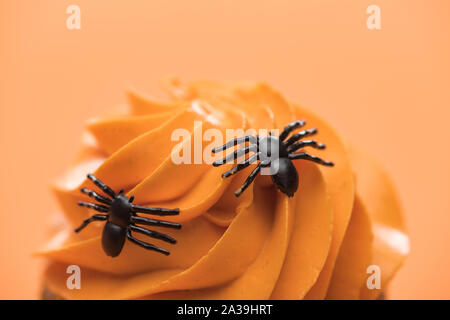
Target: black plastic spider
{"type": "Point", "coordinates": [273, 152]}
{"type": "Point", "coordinates": [121, 219]}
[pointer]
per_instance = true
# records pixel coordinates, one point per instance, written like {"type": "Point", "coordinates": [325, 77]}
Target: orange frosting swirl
{"type": "Point", "coordinates": [262, 245]}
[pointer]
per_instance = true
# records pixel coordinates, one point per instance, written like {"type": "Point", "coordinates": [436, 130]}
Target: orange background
{"type": "Point", "coordinates": [387, 90]}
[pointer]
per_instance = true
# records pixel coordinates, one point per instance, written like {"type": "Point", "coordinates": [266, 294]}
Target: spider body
{"type": "Point", "coordinates": [113, 239]}
{"type": "Point", "coordinates": [286, 176]}
{"type": "Point", "coordinates": [119, 212]}
{"type": "Point", "coordinates": [274, 152]}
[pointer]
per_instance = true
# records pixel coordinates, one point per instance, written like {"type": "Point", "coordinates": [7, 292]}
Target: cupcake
{"type": "Point", "coordinates": [340, 235]}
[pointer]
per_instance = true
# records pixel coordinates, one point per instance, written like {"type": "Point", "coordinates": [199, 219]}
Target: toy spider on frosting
{"type": "Point", "coordinates": [120, 215]}
{"type": "Point", "coordinates": [274, 152]}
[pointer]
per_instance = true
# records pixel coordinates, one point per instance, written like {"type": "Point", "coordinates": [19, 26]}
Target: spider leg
{"type": "Point", "coordinates": [110, 192]}
{"type": "Point", "coordinates": [305, 156]}
{"type": "Point", "coordinates": [95, 217]}
{"type": "Point", "coordinates": [300, 135]}
{"type": "Point", "coordinates": [234, 142]}
{"type": "Point", "coordinates": [153, 222]}
{"type": "Point", "coordinates": [146, 245]}
{"type": "Point", "coordinates": [97, 207]}
{"type": "Point", "coordinates": [236, 155]}
{"type": "Point", "coordinates": [249, 180]}
{"type": "Point", "coordinates": [153, 234]}
{"type": "Point", "coordinates": [291, 127]}
{"type": "Point", "coordinates": [96, 196]}
{"type": "Point", "coordinates": [155, 211]}
{"type": "Point", "coordinates": [241, 166]}
{"type": "Point", "coordinates": [306, 143]}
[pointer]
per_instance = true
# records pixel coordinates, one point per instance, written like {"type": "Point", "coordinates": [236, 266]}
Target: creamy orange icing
{"type": "Point", "coordinates": [262, 245]}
